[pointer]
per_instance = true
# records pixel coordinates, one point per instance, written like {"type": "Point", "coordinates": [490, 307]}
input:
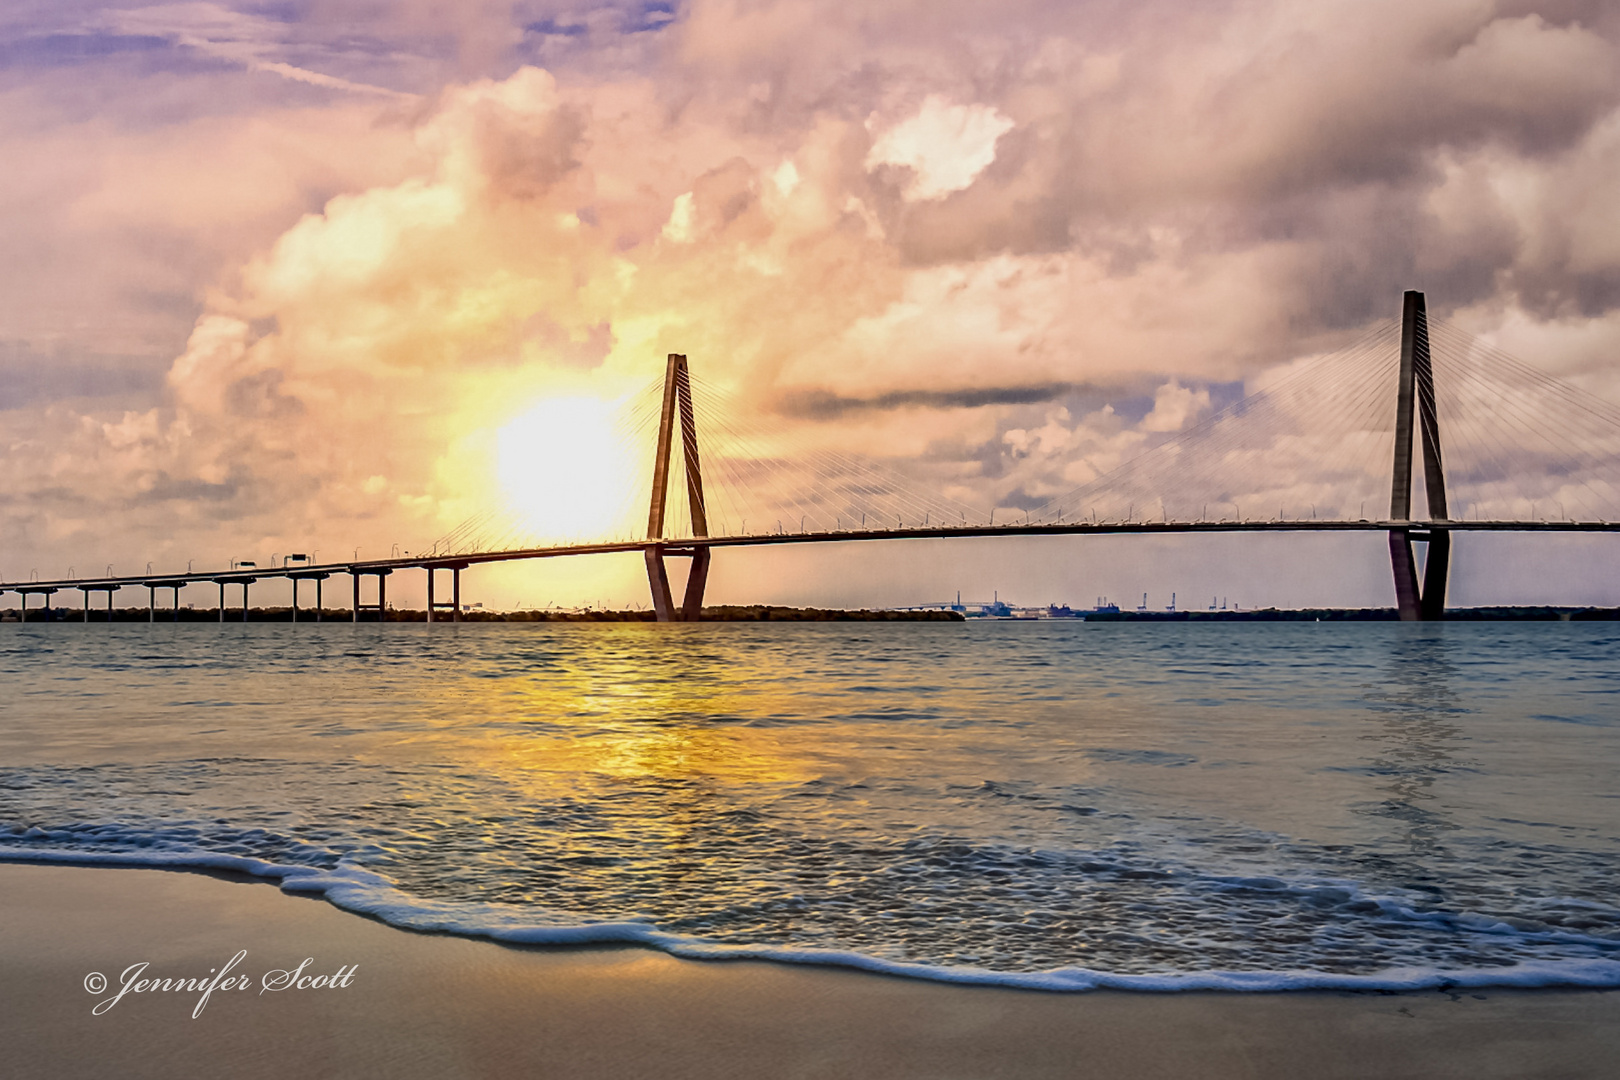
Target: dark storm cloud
{"type": "Point", "coordinates": [824, 405]}
{"type": "Point", "coordinates": [32, 377]}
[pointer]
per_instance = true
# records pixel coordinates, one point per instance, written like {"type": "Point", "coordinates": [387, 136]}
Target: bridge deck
{"type": "Point", "coordinates": [678, 546]}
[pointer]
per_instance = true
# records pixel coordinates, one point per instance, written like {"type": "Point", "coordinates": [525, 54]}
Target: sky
{"type": "Point", "coordinates": [288, 277]}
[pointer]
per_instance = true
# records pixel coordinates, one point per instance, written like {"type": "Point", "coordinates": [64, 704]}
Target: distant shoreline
{"type": "Point", "coordinates": [723, 613]}
{"type": "Point", "coordinates": [1479, 614]}
{"type": "Point", "coordinates": [776, 613]}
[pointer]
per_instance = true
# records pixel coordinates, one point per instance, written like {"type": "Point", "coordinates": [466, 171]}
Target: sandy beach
{"type": "Point", "coordinates": [418, 1005]}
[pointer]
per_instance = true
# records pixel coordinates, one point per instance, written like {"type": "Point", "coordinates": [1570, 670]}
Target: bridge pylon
{"type": "Point", "coordinates": [1415, 401]}
{"type": "Point", "coordinates": [677, 399]}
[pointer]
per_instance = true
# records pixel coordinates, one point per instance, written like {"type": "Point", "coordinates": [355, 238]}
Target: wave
{"type": "Point", "coordinates": [366, 893]}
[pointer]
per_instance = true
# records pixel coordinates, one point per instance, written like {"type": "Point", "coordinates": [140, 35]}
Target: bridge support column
{"type": "Point", "coordinates": [677, 402]}
{"type": "Point", "coordinates": [1401, 559]}
{"type": "Point", "coordinates": [1415, 401]}
{"type": "Point", "coordinates": [45, 593]}
{"type": "Point", "coordinates": [109, 589]}
{"type": "Point", "coordinates": [696, 581]}
{"type": "Point", "coordinates": [658, 580]}
{"type": "Point", "coordinates": [453, 605]}
{"type": "Point", "coordinates": [222, 582]}
{"type": "Point", "coordinates": [1435, 571]}
{"type": "Point", "coordinates": [151, 598]}
{"type": "Point", "coordinates": [381, 574]}
{"type": "Point", "coordinates": [663, 597]}
{"type": "Point", "coordinates": [317, 576]}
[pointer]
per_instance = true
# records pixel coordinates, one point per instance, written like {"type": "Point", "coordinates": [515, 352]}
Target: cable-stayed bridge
{"type": "Point", "coordinates": [1334, 444]}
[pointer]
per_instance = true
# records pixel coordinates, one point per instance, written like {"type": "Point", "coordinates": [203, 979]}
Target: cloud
{"type": "Point", "coordinates": [823, 405]}
{"type": "Point", "coordinates": [241, 38]}
{"type": "Point", "coordinates": [1069, 230]}
{"type": "Point", "coordinates": [945, 146]}
{"type": "Point", "coordinates": [1173, 406]}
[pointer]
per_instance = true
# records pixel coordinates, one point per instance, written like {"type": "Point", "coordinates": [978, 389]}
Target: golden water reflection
{"type": "Point", "coordinates": [1153, 798]}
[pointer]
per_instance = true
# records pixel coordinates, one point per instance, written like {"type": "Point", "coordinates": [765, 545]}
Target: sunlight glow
{"type": "Point", "coordinates": [565, 470]}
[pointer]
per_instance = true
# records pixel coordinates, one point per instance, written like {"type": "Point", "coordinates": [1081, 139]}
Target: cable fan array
{"type": "Point", "coordinates": [761, 477]}
{"type": "Point", "coordinates": [1317, 444]}
{"type": "Point", "coordinates": [1517, 444]}
{"type": "Point", "coordinates": [758, 477]}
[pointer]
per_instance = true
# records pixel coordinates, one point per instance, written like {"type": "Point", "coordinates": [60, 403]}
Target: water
{"type": "Point", "coordinates": [1047, 804]}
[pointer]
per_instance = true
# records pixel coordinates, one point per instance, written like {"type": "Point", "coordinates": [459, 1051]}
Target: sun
{"type": "Point", "coordinates": [565, 470]}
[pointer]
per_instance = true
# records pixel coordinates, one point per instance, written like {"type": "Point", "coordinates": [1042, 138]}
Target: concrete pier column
{"type": "Point", "coordinates": [430, 594]}
{"type": "Point", "coordinates": [455, 594]}
{"type": "Point", "coordinates": [222, 601]}
{"type": "Point", "coordinates": [295, 600]}
{"type": "Point", "coordinates": [354, 577]}
{"type": "Point", "coordinates": [151, 603]}
{"type": "Point", "coordinates": [47, 592]}
{"type": "Point", "coordinates": [1435, 569]}
{"type": "Point", "coordinates": [317, 599]}
{"type": "Point", "coordinates": [86, 594]}
{"type": "Point", "coordinates": [658, 582]}
{"type": "Point", "coordinates": [696, 580]}
{"type": "Point", "coordinates": [382, 597]}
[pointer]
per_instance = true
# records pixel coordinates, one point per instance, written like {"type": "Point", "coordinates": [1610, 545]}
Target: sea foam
{"type": "Point", "coordinates": [363, 892]}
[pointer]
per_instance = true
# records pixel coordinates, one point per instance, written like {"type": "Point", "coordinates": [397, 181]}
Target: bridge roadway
{"type": "Point", "coordinates": [1417, 530]}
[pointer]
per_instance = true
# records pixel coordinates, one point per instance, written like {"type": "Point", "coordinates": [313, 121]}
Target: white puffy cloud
{"type": "Point", "coordinates": [1174, 406]}
{"type": "Point", "coordinates": [945, 146]}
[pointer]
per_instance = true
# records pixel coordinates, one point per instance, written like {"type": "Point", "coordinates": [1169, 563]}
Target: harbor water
{"type": "Point", "coordinates": [1053, 804]}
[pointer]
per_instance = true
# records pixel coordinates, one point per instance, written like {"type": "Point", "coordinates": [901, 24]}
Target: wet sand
{"type": "Point", "coordinates": [431, 1006]}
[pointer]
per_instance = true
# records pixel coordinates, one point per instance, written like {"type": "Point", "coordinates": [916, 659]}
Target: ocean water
{"type": "Point", "coordinates": [1048, 804]}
